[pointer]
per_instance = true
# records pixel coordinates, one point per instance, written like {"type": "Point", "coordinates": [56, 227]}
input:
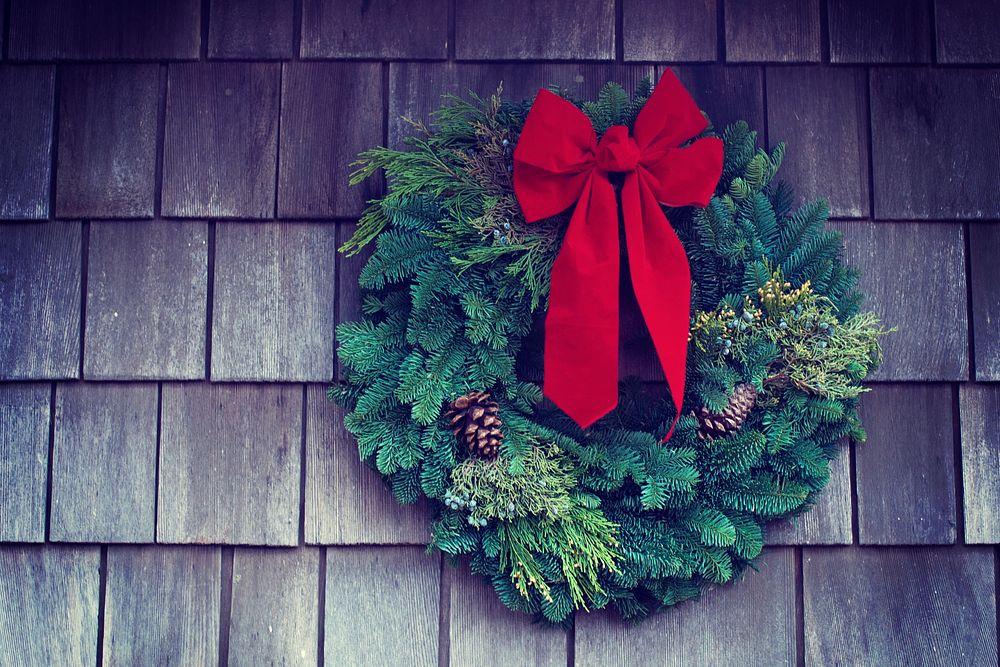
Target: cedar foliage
{"type": "Point", "coordinates": [565, 519]}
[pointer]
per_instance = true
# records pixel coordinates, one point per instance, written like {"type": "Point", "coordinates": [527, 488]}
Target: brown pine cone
{"type": "Point", "coordinates": [474, 421]}
{"type": "Point", "coordinates": [713, 425]}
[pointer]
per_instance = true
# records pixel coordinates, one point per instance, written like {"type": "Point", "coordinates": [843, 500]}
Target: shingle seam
{"type": "Point", "coordinates": [225, 603]}
{"type": "Point", "coordinates": [321, 610]}
{"type": "Point", "coordinates": [102, 604]}
{"type": "Point", "coordinates": [956, 425]}
{"type": "Point", "coordinates": [444, 614]}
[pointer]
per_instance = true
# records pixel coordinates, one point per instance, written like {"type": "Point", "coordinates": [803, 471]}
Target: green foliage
{"type": "Point", "coordinates": [567, 519]}
{"type": "Point", "coordinates": [541, 487]}
{"type": "Point", "coordinates": [582, 546]}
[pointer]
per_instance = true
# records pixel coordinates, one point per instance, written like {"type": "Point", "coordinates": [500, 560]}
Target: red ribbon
{"type": "Point", "coordinates": [559, 162]}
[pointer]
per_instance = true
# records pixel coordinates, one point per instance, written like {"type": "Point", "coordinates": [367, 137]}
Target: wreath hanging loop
{"type": "Point", "coordinates": [441, 369]}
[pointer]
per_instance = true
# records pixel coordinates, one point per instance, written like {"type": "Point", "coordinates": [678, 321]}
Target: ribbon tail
{"type": "Point", "coordinates": [661, 279]}
{"type": "Point", "coordinates": [581, 328]}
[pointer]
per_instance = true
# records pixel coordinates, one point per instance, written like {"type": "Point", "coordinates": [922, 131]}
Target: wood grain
{"type": "Point", "coordinates": [821, 113]}
{"type": "Point", "coordinates": [220, 149]}
{"type": "Point", "coordinates": [24, 460]}
{"type": "Point", "coordinates": [26, 108]}
{"type": "Point", "coordinates": [416, 89]}
{"type": "Point", "coordinates": [49, 597]}
{"type": "Point", "coordinates": [374, 29]}
{"type": "Point", "coordinates": [381, 606]}
{"type": "Point", "coordinates": [888, 31]}
{"type": "Point", "coordinates": [147, 288]}
{"type": "Point", "coordinates": [348, 291]}
{"type": "Point", "coordinates": [773, 30]}
{"type": "Point", "coordinates": [898, 262]}
{"type": "Point", "coordinates": [230, 464]}
{"type": "Point", "coordinates": [507, 29]}
{"type": "Point", "coordinates": [727, 94]}
{"type": "Point", "coordinates": [930, 158]}
{"type": "Point", "coordinates": [347, 502]}
{"type": "Point", "coordinates": [274, 301]}
{"type": "Point", "coordinates": [40, 299]}
{"type": "Point", "coordinates": [984, 278]}
{"type": "Point", "coordinates": [891, 606]}
{"type": "Point", "coordinates": [275, 612]}
{"type": "Point", "coordinates": [829, 522]}
{"type": "Point", "coordinates": [104, 29]}
{"type": "Point", "coordinates": [979, 407]}
{"type": "Point", "coordinates": [251, 29]}
{"type": "Point", "coordinates": [966, 31]}
{"type": "Point", "coordinates": [330, 112]}
{"type": "Point", "coordinates": [484, 632]}
{"type": "Point", "coordinates": [104, 463]}
{"type": "Point", "coordinates": [671, 30]}
{"type": "Point", "coordinates": [162, 606]}
{"type": "Point", "coordinates": [905, 470]}
{"type": "Point", "coordinates": [107, 141]}
{"type": "Point", "coordinates": [749, 623]}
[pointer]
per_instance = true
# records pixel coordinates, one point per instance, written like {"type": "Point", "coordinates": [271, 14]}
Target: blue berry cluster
{"type": "Point", "coordinates": [500, 235]}
{"type": "Point", "coordinates": [461, 503]}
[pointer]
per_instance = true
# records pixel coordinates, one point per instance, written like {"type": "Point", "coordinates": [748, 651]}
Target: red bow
{"type": "Point", "coordinates": [559, 162]}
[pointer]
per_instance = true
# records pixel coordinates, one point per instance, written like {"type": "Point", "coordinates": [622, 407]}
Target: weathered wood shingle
{"type": "Point", "coordinates": [727, 94]}
{"type": "Point", "coordinates": [24, 460]}
{"type": "Point", "coordinates": [330, 112]}
{"type": "Point", "coordinates": [508, 29]}
{"type": "Point", "coordinates": [346, 502]}
{"type": "Point", "coordinates": [108, 116]}
{"type": "Point", "coordinates": [750, 622]}
{"type": "Point", "coordinates": [275, 607]}
{"type": "Point", "coordinates": [374, 29]}
{"type": "Point", "coordinates": [772, 30]}
{"type": "Point", "coordinates": [26, 106]}
{"type": "Point", "coordinates": [162, 604]}
{"type": "Point", "coordinates": [251, 29]}
{"type": "Point", "coordinates": [984, 279]}
{"type": "Point", "coordinates": [40, 299]}
{"type": "Point", "coordinates": [104, 29]}
{"type": "Point", "coordinates": [147, 287]}
{"type": "Point", "coordinates": [829, 521]}
{"type": "Point", "coordinates": [230, 464]}
{"type": "Point", "coordinates": [906, 468]}
{"type": "Point", "coordinates": [104, 463]}
{"type": "Point", "coordinates": [381, 606]}
{"type": "Point", "coordinates": [913, 275]}
{"type": "Point", "coordinates": [220, 149]}
{"type": "Point", "coordinates": [675, 30]}
{"type": "Point", "coordinates": [966, 31]}
{"type": "Point", "coordinates": [484, 632]}
{"type": "Point", "coordinates": [49, 598]}
{"type": "Point", "coordinates": [979, 408]}
{"type": "Point", "coordinates": [821, 113]}
{"type": "Point", "coordinates": [349, 294]}
{"type": "Point", "coordinates": [887, 31]}
{"type": "Point", "coordinates": [931, 153]}
{"type": "Point", "coordinates": [274, 301]}
{"type": "Point", "coordinates": [891, 606]}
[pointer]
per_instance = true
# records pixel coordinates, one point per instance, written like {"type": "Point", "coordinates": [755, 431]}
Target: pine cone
{"type": "Point", "coordinates": [475, 423]}
{"type": "Point", "coordinates": [713, 425]}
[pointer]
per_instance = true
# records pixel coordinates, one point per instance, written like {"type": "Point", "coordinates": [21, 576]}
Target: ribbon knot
{"type": "Point", "coordinates": [558, 162]}
{"type": "Point", "coordinates": [616, 151]}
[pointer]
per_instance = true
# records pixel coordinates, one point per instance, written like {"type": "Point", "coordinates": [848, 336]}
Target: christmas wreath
{"type": "Point", "coordinates": [505, 219]}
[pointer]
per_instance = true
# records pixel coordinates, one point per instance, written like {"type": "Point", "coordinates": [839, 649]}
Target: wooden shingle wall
{"type": "Point", "coordinates": [173, 186]}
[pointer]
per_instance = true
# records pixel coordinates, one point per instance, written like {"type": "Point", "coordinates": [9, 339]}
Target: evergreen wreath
{"type": "Point", "coordinates": [439, 370]}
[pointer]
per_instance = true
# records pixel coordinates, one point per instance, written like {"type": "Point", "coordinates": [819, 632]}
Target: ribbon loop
{"type": "Point", "coordinates": [558, 161]}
